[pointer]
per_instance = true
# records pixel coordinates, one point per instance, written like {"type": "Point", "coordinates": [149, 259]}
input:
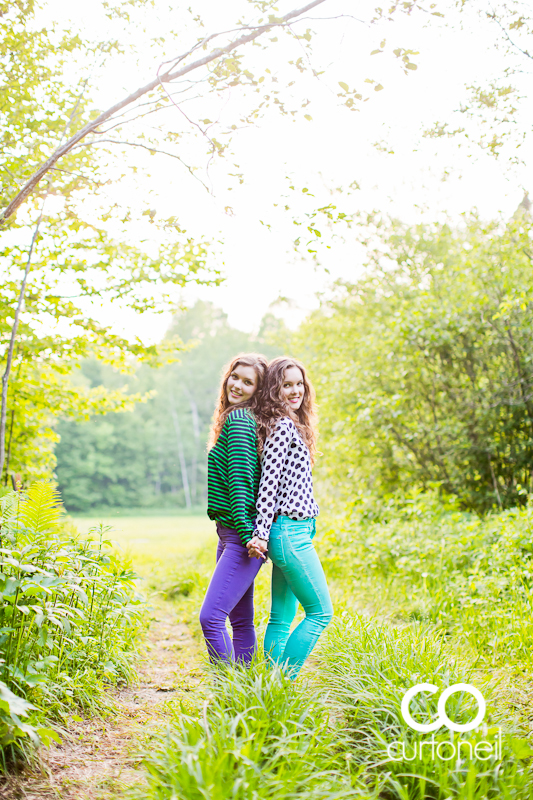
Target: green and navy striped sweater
{"type": "Point", "coordinates": [233, 473]}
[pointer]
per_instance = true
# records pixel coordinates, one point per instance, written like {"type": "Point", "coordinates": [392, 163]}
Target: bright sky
{"type": "Point", "coordinates": [407, 176]}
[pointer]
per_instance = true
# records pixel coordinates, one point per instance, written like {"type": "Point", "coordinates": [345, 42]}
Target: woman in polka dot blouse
{"type": "Point", "coordinates": [286, 511]}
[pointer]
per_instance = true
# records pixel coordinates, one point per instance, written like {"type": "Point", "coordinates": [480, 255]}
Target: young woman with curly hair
{"type": "Point", "coordinates": [233, 482]}
{"type": "Point", "coordinates": [285, 523]}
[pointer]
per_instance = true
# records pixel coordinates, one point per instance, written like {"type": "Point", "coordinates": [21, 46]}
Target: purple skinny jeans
{"type": "Point", "coordinates": [230, 594]}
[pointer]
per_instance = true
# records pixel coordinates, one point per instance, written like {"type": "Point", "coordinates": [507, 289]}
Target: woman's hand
{"type": "Point", "coordinates": [257, 548]}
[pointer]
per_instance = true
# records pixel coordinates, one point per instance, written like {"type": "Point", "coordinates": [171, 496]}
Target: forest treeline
{"type": "Point", "coordinates": [423, 369]}
{"type": "Point", "coordinates": [422, 365]}
{"type": "Point", "coordinates": [154, 455]}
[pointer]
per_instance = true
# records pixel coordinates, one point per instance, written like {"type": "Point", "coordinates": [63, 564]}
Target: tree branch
{"type": "Point", "coordinates": [145, 147]}
{"type": "Point", "coordinates": [495, 19]}
{"type": "Point", "coordinates": [123, 119]}
{"type": "Point", "coordinates": [169, 76]}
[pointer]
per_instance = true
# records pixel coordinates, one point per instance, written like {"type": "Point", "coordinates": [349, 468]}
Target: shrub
{"type": "Point", "coordinates": [69, 610]}
{"type": "Point", "coordinates": [423, 364]}
{"type": "Point", "coordinates": [472, 577]}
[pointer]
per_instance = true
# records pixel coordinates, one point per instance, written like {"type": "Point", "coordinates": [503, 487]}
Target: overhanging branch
{"type": "Point", "coordinates": [170, 75]}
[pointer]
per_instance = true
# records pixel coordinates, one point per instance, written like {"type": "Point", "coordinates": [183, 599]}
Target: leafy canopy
{"type": "Point", "coordinates": [424, 364]}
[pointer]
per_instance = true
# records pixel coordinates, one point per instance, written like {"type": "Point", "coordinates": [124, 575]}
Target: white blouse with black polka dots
{"type": "Point", "coordinates": [286, 485]}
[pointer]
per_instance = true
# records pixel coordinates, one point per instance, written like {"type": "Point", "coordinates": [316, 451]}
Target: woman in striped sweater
{"type": "Point", "coordinates": [233, 482]}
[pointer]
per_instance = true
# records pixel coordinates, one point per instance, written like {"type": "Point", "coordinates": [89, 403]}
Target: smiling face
{"type": "Point", "coordinates": [241, 385]}
{"type": "Point", "coordinates": [293, 388]}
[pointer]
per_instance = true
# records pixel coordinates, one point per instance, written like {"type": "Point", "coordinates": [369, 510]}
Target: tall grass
{"type": "Point", "coordinates": [443, 593]}
{"type": "Point", "coordinates": [368, 667]}
{"type": "Point", "coordinates": [256, 736]}
{"type": "Point", "coordinates": [259, 735]}
{"type": "Point", "coordinates": [69, 614]}
{"type": "Point", "coordinates": [470, 576]}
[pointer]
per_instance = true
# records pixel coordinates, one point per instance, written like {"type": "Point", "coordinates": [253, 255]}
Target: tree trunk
{"type": "Point", "coordinates": [181, 454]}
{"type": "Point", "coordinates": [14, 329]}
{"type": "Point", "coordinates": [11, 348]}
{"type": "Point", "coordinates": [196, 434]}
{"type": "Point", "coordinates": [8, 459]}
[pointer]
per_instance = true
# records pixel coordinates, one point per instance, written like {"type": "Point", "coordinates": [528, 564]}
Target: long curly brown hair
{"type": "Point", "coordinates": [272, 406]}
{"type": "Point", "coordinates": [223, 407]}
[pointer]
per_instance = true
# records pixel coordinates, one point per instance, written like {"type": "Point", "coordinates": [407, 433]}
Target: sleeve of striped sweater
{"type": "Point", "coordinates": [242, 465]}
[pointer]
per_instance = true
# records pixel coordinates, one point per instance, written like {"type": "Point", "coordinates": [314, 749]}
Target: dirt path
{"type": "Point", "coordinates": [99, 759]}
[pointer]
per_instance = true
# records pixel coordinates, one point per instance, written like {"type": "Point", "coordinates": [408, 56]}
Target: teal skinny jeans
{"type": "Point", "coordinates": [297, 576]}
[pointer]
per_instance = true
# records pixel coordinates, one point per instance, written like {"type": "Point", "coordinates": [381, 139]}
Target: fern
{"type": "Point", "coordinates": [9, 506]}
{"type": "Point", "coordinates": [69, 616]}
{"type": "Point", "coordinates": [41, 509]}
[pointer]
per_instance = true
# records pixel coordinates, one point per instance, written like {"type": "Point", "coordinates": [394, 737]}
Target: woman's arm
{"type": "Point", "coordinates": [272, 468]}
{"type": "Point", "coordinates": [242, 472]}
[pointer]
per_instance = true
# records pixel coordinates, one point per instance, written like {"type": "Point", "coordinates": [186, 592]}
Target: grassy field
{"type": "Point", "coordinates": [169, 551]}
{"type": "Point", "coordinates": [156, 543]}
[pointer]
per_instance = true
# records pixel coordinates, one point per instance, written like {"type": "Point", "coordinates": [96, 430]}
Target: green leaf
{"type": "Point", "coordinates": [48, 735]}
{"type": "Point", "coordinates": [521, 748]}
{"type": "Point", "coordinates": [15, 705]}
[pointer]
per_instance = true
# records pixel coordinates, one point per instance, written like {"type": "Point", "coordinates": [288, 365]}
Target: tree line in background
{"type": "Point", "coordinates": [155, 455]}
{"type": "Point", "coordinates": [423, 367]}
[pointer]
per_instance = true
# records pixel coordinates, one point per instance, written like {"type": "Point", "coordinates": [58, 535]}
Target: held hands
{"type": "Point", "coordinates": [257, 548]}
